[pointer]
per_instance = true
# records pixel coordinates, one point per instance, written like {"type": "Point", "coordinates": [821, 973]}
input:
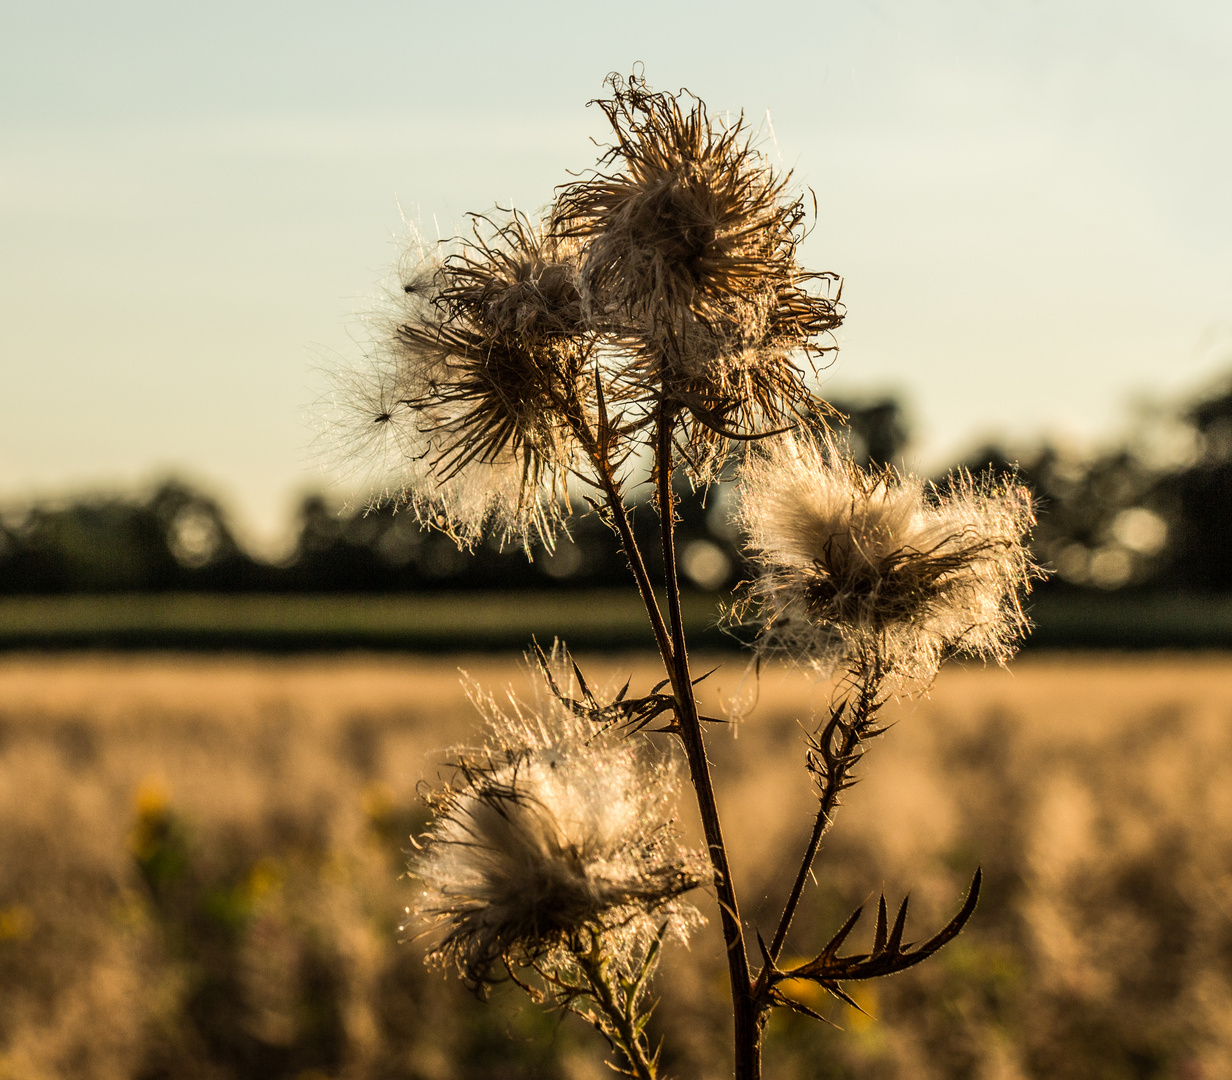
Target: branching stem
{"type": "Point", "coordinates": [673, 648]}
{"type": "Point", "coordinates": [861, 706]}
{"type": "Point", "coordinates": [606, 481]}
{"type": "Point", "coordinates": [747, 1031]}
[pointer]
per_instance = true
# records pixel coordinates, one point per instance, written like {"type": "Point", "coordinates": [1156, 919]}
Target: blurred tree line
{"type": "Point", "coordinates": [1153, 513]}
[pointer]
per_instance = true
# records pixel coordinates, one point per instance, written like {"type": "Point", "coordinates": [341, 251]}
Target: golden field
{"type": "Point", "coordinates": [200, 860]}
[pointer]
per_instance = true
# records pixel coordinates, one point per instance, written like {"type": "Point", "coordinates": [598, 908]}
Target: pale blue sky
{"type": "Point", "coordinates": [1028, 202]}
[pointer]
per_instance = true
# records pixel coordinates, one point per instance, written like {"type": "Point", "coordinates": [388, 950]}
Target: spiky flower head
{"type": "Point", "coordinates": [691, 262]}
{"type": "Point", "coordinates": [880, 566]}
{"type": "Point", "coordinates": [469, 399]}
{"type": "Point", "coordinates": [552, 836]}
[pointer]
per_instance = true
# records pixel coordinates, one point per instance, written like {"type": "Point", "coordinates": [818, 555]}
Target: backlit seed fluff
{"type": "Point", "coordinates": [551, 836]}
{"type": "Point", "coordinates": [879, 566]}
{"type": "Point", "coordinates": [467, 400]}
{"type": "Point", "coordinates": [690, 246]}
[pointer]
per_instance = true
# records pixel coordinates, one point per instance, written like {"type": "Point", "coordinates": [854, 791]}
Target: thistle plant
{"type": "Point", "coordinates": [868, 562]}
{"type": "Point", "coordinates": [656, 312]}
{"type": "Point", "coordinates": [553, 857]}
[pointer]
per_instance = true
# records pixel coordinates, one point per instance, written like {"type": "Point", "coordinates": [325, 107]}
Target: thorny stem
{"type": "Point", "coordinates": [624, 1033]}
{"type": "Point", "coordinates": [673, 649]}
{"type": "Point", "coordinates": [620, 520]}
{"type": "Point", "coordinates": [637, 564]}
{"type": "Point", "coordinates": [747, 1032]}
{"type": "Point", "coordinates": [863, 704]}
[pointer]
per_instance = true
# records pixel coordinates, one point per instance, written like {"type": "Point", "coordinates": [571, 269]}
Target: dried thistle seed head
{"type": "Point", "coordinates": [690, 260]}
{"type": "Point", "coordinates": [551, 835]}
{"type": "Point", "coordinates": [515, 280]}
{"type": "Point", "coordinates": [470, 398]}
{"type": "Point", "coordinates": [880, 565]}
{"type": "Point", "coordinates": [739, 376]}
{"type": "Point", "coordinates": [694, 216]}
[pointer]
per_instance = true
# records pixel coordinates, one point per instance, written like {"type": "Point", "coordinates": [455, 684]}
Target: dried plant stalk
{"type": "Point", "coordinates": [661, 311]}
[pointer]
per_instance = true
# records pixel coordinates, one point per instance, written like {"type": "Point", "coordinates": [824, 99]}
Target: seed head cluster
{"type": "Point", "coordinates": [690, 263]}
{"type": "Point", "coordinates": [663, 284]}
{"type": "Point", "coordinates": [880, 565]}
{"type": "Point", "coordinates": [552, 835]}
{"type": "Point", "coordinates": [469, 397]}
{"type": "Point", "coordinates": [658, 305]}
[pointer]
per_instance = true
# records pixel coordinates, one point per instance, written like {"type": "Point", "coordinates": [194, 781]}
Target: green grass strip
{"type": "Point", "coordinates": [499, 621]}
{"type": "Point", "coordinates": [439, 621]}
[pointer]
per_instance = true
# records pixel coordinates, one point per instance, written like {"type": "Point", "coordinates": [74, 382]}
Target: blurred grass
{"type": "Point", "coordinates": [201, 868]}
{"type": "Point", "coordinates": [501, 621]}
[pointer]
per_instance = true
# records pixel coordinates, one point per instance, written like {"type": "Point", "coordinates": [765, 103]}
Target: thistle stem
{"type": "Point", "coordinates": [633, 555]}
{"type": "Point", "coordinates": [623, 1032]}
{"type": "Point", "coordinates": [868, 681]}
{"type": "Point", "coordinates": [821, 826]}
{"type": "Point", "coordinates": [747, 1028]}
{"type": "Point", "coordinates": [620, 520]}
{"type": "Point", "coordinates": [674, 652]}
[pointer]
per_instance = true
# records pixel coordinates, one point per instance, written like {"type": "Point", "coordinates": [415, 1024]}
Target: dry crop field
{"type": "Point", "coordinates": [200, 859]}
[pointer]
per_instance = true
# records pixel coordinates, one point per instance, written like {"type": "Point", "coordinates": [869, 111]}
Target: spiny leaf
{"type": "Point", "coordinates": [767, 959]}
{"type": "Point", "coordinates": [836, 942]}
{"type": "Point", "coordinates": [635, 714]}
{"type": "Point", "coordinates": [652, 955]}
{"type": "Point", "coordinates": [707, 675]}
{"type": "Point", "coordinates": [888, 955]}
{"type": "Point", "coordinates": [879, 936]}
{"type": "Point", "coordinates": [601, 404]}
{"type": "Point", "coordinates": [896, 935]}
{"type": "Point", "coordinates": [954, 927]}
{"type": "Point", "coordinates": [779, 998]}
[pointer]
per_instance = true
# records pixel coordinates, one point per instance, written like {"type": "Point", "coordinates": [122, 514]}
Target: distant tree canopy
{"type": "Point", "coordinates": [177, 538]}
{"type": "Point", "coordinates": [1117, 520]}
{"type": "Point", "coordinates": [1127, 519]}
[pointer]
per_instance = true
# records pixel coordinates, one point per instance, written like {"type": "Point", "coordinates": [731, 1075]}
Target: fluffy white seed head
{"type": "Point", "coordinates": [455, 411]}
{"type": "Point", "coordinates": [690, 240]}
{"type": "Point", "coordinates": [880, 565]}
{"type": "Point", "coordinates": [550, 835]}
